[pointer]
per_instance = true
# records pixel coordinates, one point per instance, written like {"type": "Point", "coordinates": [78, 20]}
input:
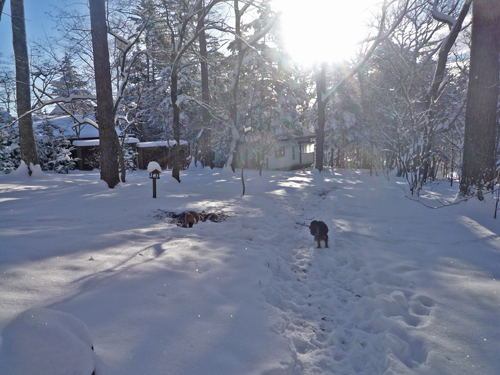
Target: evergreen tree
{"type": "Point", "coordinates": [69, 82]}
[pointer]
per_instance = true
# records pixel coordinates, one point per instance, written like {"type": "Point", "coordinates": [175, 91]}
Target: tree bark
{"type": "Point", "coordinates": [206, 140]}
{"type": "Point", "coordinates": [233, 111]}
{"type": "Point", "coordinates": [26, 133]}
{"type": "Point", "coordinates": [478, 169]}
{"type": "Point", "coordinates": [107, 133]}
{"type": "Point", "coordinates": [177, 125]}
{"type": "Point", "coordinates": [320, 131]}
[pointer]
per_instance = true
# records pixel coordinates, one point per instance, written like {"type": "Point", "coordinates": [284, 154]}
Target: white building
{"type": "Point", "coordinates": [286, 153]}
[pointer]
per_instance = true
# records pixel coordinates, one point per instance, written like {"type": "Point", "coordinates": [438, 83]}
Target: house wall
{"type": "Point", "coordinates": [287, 156]}
{"type": "Point", "coordinates": [283, 156]}
{"type": "Point", "coordinates": [308, 158]}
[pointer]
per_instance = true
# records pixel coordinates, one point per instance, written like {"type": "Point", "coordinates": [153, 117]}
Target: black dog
{"type": "Point", "coordinates": [320, 232]}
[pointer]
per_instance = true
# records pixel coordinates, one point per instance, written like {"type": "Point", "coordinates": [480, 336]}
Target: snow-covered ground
{"type": "Point", "coordinates": [403, 289]}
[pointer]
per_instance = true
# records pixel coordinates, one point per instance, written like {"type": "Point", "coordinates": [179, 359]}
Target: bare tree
{"type": "Point", "coordinates": [243, 46]}
{"type": "Point", "coordinates": [182, 36]}
{"type": "Point", "coordinates": [437, 86]}
{"type": "Point", "coordinates": [8, 86]}
{"type": "Point", "coordinates": [481, 119]}
{"type": "Point", "coordinates": [323, 95]}
{"type": "Point", "coordinates": [26, 134]}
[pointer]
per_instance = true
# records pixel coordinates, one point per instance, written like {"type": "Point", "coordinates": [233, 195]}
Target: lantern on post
{"type": "Point", "coordinates": [154, 170]}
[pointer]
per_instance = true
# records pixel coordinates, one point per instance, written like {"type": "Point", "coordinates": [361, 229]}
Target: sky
{"type": "Point", "coordinates": [325, 30]}
{"type": "Point", "coordinates": [38, 23]}
{"type": "Point", "coordinates": [321, 30]}
{"type": "Point", "coordinates": [402, 289]}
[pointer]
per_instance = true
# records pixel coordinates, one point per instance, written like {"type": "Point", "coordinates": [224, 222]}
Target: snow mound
{"type": "Point", "coordinates": [47, 342]}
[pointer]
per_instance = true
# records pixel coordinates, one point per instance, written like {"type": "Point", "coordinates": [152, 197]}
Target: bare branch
{"type": "Point", "coordinates": [379, 39]}
{"type": "Point", "coordinates": [441, 17]}
{"type": "Point", "coordinates": [2, 3]}
{"type": "Point", "coordinates": [444, 205]}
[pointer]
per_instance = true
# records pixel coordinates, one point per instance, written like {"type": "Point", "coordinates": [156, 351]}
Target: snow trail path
{"type": "Point", "coordinates": [369, 304]}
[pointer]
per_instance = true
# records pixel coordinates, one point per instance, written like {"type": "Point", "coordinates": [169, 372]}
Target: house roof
{"type": "Point", "coordinates": [95, 142]}
{"type": "Point", "coordinates": [66, 123]}
{"type": "Point", "coordinates": [168, 143]}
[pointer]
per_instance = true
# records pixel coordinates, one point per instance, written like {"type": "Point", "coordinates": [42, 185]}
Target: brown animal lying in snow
{"type": "Point", "coordinates": [192, 218]}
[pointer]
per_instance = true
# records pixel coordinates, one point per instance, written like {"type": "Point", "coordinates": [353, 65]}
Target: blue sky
{"type": "Point", "coordinates": [38, 23]}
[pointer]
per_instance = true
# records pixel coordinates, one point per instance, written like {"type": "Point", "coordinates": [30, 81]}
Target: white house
{"type": "Point", "coordinates": [293, 152]}
{"type": "Point", "coordinates": [286, 153]}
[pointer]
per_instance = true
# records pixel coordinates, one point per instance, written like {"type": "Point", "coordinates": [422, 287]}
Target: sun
{"type": "Point", "coordinates": [324, 30]}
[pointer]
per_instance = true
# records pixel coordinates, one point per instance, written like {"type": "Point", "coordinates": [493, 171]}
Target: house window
{"type": "Point", "coordinates": [279, 153]}
{"type": "Point", "coordinates": [307, 148]}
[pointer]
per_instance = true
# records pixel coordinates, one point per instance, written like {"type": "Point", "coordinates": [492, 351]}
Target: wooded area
{"type": "Point", "coordinates": [420, 97]}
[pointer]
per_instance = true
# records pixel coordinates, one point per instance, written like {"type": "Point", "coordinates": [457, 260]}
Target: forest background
{"type": "Point", "coordinates": [217, 73]}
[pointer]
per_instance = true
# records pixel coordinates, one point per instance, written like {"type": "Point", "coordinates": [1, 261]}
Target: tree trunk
{"type": "Point", "coordinates": [206, 141]}
{"type": "Point", "coordinates": [26, 133]}
{"type": "Point", "coordinates": [478, 169]}
{"type": "Point", "coordinates": [320, 131]}
{"type": "Point", "coordinates": [107, 133]}
{"type": "Point", "coordinates": [177, 125]}
{"type": "Point", "coordinates": [233, 111]}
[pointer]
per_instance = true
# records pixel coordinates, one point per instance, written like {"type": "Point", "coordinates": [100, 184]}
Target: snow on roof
{"type": "Point", "coordinates": [95, 142]}
{"type": "Point", "coordinates": [88, 143]}
{"type": "Point", "coordinates": [66, 123]}
{"type": "Point", "coordinates": [159, 144]}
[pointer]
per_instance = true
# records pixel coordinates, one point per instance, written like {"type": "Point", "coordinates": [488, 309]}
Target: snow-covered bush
{"type": "Point", "coordinates": [10, 153]}
{"type": "Point", "coordinates": [130, 157]}
{"type": "Point", "coordinates": [54, 149]}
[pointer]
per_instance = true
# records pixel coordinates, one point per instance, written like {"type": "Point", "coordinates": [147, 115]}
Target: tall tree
{"type": "Point", "coordinates": [481, 118]}
{"type": "Point", "coordinates": [108, 137]}
{"type": "Point", "coordinates": [7, 88]}
{"type": "Point", "coordinates": [242, 47]}
{"type": "Point", "coordinates": [26, 134]}
{"type": "Point", "coordinates": [383, 33]}
{"type": "Point", "coordinates": [320, 130]}
{"type": "Point", "coordinates": [205, 93]}
{"type": "Point", "coordinates": [182, 36]}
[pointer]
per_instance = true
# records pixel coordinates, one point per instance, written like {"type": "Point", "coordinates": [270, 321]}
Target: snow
{"type": "Point", "coordinates": [95, 142]}
{"type": "Point", "coordinates": [87, 143]}
{"type": "Point", "coordinates": [153, 166]}
{"type": "Point", "coordinates": [403, 289]}
{"type": "Point", "coordinates": [66, 123]}
{"type": "Point", "coordinates": [160, 143]}
{"type": "Point", "coordinates": [43, 341]}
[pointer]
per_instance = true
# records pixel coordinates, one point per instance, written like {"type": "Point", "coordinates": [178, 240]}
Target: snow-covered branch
{"type": "Point", "coordinates": [442, 17]}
